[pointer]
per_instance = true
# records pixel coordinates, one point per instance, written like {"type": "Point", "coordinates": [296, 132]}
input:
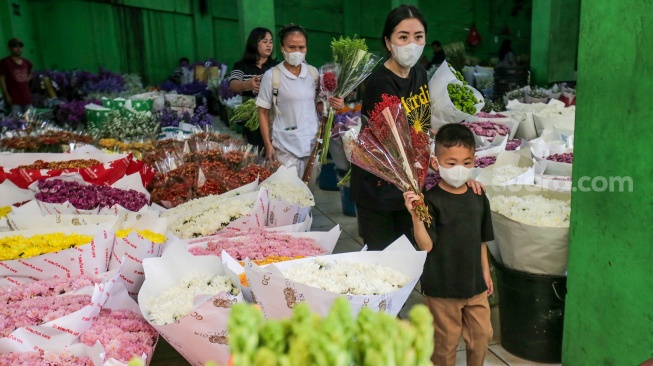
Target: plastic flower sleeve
{"type": "Point", "coordinates": [290, 199]}
{"type": "Point", "coordinates": [393, 151]}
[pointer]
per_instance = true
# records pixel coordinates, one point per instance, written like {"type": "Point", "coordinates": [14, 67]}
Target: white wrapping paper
{"type": "Point", "coordinates": [529, 248]}
{"type": "Point", "coordinates": [90, 258]}
{"type": "Point", "coordinates": [29, 221]}
{"type": "Point", "coordinates": [11, 193]}
{"type": "Point", "coordinates": [201, 335]}
{"type": "Point", "coordinates": [281, 212]}
{"type": "Point", "coordinates": [277, 295]}
{"type": "Point", "coordinates": [130, 251]}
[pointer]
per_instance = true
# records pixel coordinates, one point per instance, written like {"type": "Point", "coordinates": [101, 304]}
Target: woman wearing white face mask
{"type": "Point", "coordinates": [380, 208]}
{"type": "Point", "coordinates": [382, 217]}
{"type": "Point", "coordinates": [290, 90]}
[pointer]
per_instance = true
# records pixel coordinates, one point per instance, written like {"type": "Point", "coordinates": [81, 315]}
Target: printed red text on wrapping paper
{"type": "Point", "coordinates": [62, 267]}
{"type": "Point", "coordinates": [8, 268]}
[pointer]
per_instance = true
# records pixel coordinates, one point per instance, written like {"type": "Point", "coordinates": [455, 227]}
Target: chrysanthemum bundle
{"type": "Point", "coordinates": [390, 149]}
{"type": "Point", "coordinates": [353, 64]}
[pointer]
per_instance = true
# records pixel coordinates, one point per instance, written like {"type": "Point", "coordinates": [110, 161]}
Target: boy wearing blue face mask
{"type": "Point", "coordinates": [456, 279]}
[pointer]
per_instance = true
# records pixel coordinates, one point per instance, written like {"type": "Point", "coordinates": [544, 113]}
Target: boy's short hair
{"type": "Point", "coordinates": [454, 134]}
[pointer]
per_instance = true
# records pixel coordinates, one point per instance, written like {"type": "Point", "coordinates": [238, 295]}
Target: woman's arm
{"type": "Point", "coordinates": [239, 86]}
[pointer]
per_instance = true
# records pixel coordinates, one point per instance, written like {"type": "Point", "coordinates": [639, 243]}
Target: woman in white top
{"type": "Point", "coordinates": [290, 136]}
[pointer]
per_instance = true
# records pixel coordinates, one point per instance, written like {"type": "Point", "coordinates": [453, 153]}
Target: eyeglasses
{"type": "Point", "coordinates": [14, 45]}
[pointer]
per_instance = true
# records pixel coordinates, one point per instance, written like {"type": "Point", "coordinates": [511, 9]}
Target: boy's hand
{"type": "Point", "coordinates": [409, 198]}
{"type": "Point", "coordinates": [476, 186]}
{"type": "Point", "coordinates": [488, 282]}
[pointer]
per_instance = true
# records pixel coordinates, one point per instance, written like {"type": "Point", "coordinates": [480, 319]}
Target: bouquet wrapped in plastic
{"type": "Point", "coordinates": [353, 64]}
{"type": "Point", "coordinates": [392, 150]}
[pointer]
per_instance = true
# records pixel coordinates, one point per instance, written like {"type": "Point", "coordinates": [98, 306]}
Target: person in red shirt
{"type": "Point", "coordinates": [15, 72]}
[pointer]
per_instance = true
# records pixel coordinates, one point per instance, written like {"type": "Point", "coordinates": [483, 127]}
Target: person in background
{"type": "Point", "coordinates": [290, 136]}
{"type": "Point", "coordinates": [15, 72]}
{"type": "Point", "coordinates": [438, 54]}
{"type": "Point", "coordinates": [506, 57]}
{"type": "Point", "coordinates": [456, 280]}
{"type": "Point", "coordinates": [247, 72]}
{"type": "Point", "coordinates": [182, 74]}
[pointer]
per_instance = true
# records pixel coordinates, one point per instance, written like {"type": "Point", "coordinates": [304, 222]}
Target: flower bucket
{"type": "Point", "coordinates": [96, 115]}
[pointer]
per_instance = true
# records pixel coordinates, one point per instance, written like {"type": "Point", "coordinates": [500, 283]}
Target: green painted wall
{"type": "Point", "coordinates": [149, 36]}
{"type": "Point", "coordinates": [609, 305]}
{"type": "Point", "coordinates": [554, 46]}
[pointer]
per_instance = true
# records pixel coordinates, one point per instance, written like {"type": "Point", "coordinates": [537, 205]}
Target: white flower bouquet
{"type": "Point", "coordinates": [191, 316]}
{"type": "Point", "coordinates": [531, 228]}
{"type": "Point", "coordinates": [90, 257]}
{"type": "Point", "coordinates": [523, 113]}
{"type": "Point", "coordinates": [511, 168]}
{"type": "Point", "coordinates": [556, 116]}
{"type": "Point", "coordinates": [290, 199]}
{"type": "Point", "coordinates": [399, 268]}
{"type": "Point", "coordinates": [249, 210]}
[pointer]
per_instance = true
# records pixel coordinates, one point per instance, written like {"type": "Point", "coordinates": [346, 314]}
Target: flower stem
{"type": "Point", "coordinates": [326, 137]}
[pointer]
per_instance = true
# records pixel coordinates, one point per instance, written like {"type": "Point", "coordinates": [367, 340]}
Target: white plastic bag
{"type": "Point", "coordinates": [443, 111]}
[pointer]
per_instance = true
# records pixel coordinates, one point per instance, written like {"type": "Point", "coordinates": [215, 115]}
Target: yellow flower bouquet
{"type": "Point", "coordinates": [31, 255]}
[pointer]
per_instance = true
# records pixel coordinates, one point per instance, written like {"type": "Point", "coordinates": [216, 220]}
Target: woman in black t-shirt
{"type": "Point", "coordinates": [247, 72]}
{"type": "Point", "coordinates": [382, 216]}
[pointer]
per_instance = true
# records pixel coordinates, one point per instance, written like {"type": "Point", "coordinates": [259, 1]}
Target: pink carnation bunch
{"type": "Point", "coordinates": [485, 161]}
{"type": "Point", "coordinates": [44, 288]}
{"type": "Point", "coordinates": [512, 145]}
{"type": "Point", "coordinates": [39, 310]}
{"type": "Point", "coordinates": [259, 244]}
{"type": "Point", "coordinates": [123, 333]}
{"type": "Point", "coordinates": [487, 129]}
{"type": "Point", "coordinates": [61, 358]}
{"type": "Point", "coordinates": [489, 115]}
{"type": "Point", "coordinates": [562, 158]}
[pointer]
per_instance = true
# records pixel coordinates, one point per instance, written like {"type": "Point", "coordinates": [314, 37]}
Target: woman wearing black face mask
{"type": "Point", "coordinates": [290, 133]}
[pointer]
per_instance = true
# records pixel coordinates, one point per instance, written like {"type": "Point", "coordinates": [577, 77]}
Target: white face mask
{"type": "Point", "coordinates": [294, 58]}
{"type": "Point", "coordinates": [408, 55]}
{"type": "Point", "coordinates": [456, 176]}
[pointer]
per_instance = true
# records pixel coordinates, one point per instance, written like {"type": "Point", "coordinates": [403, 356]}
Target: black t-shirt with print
{"type": "Point", "coordinates": [460, 223]}
{"type": "Point", "coordinates": [244, 71]}
{"type": "Point", "coordinates": [368, 190]}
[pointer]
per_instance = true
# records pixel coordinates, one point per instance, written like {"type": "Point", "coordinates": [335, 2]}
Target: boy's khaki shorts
{"type": "Point", "coordinates": [451, 317]}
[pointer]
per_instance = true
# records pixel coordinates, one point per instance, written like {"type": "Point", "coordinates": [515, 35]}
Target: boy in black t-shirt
{"type": "Point", "coordinates": [456, 279]}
